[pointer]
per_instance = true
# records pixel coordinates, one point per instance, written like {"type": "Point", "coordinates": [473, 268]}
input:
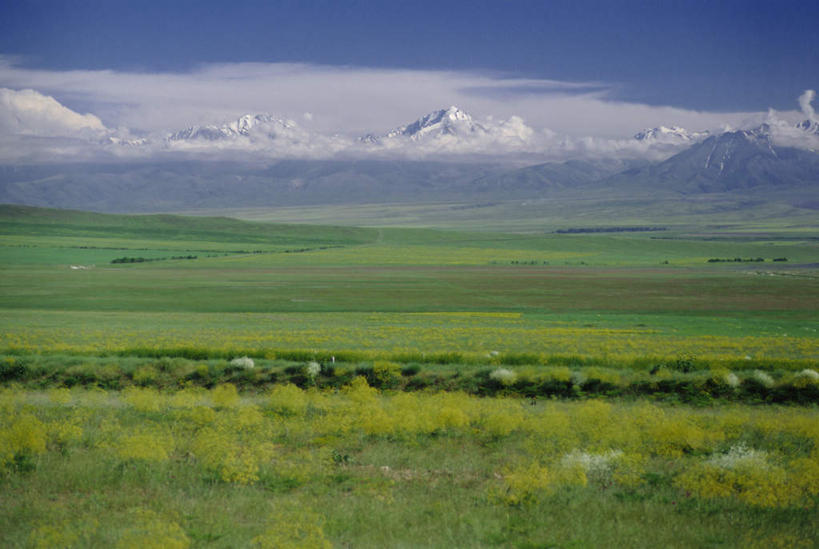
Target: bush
{"type": "Point", "coordinates": [145, 375]}
{"type": "Point", "coordinates": [503, 377]}
{"type": "Point", "coordinates": [410, 370]}
{"type": "Point", "coordinates": [12, 368]}
{"type": "Point", "coordinates": [201, 373]}
{"type": "Point", "coordinates": [386, 375]}
{"type": "Point", "coordinates": [312, 369]}
{"type": "Point", "coordinates": [225, 396]}
{"type": "Point", "coordinates": [80, 374]}
{"type": "Point", "coordinates": [243, 362]}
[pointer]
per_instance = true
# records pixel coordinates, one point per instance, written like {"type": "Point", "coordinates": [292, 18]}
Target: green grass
{"type": "Point", "coordinates": [685, 379]}
{"type": "Point", "coordinates": [337, 290]}
{"type": "Point", "coordinates": [24, 220]}
{"type": "Point", "coordinates": [453, 304]}
{"type": "Point", "coordinates": [373, 482]}
{"type": "Point", "coordinates": [724, 215]}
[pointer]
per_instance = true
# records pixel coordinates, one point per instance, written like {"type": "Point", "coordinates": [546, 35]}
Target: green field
{"type": "Point", "coordinates": [359, 469]}
{"type": "Point", "coordinates": [719, 214]}
{"type": "Point", "coordinates": [256, 287]}
{"type": "Point", "coordinates": [523, 389]}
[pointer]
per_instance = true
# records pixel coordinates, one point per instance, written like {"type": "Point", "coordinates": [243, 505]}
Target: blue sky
{"type": "Point", "coordinates": [712, 55]}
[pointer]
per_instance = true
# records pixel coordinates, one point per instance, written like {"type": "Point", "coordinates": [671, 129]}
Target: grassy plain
{"type": "Point", "coordinates": [397, 290]}
{"type": "Point", "coordinates": [716, 214]}
{"type": "Point", "coordinates": [359, 469]}
{"type": "Point", "coordinates": [132, 466]}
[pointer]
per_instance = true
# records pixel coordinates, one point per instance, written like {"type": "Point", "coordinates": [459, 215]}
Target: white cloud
{"type": "Point", "coordinates": [805, 101]}
{"type": "Point", "coordinates": [543, 119]}
{"type": "Point", "coordinates": [785, 133]}
{"type": "Point", "coordinates": [346, 100]}
{"type": "Point", "coordinates": [27, 112]}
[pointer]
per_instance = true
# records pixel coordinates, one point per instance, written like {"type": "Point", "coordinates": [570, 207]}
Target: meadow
{"type": "Point", "coordinates": [309, 385]}
{"type": "Point", "coordinates": [294, 468]}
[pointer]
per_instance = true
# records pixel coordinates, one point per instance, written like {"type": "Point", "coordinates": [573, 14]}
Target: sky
{"type": "Point", "coordinates": [580, 69]}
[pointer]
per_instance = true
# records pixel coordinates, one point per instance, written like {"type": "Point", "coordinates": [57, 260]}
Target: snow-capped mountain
{"type": "Point", "coordinates": [445, 122]}
{"type": "Point", "coordinates": [125, 141]}
{"type": "Point", "coordinates": [756, 159]}
{"type": "Point", "coordinates": [245, 126]}
{"type": "Point", "coordinates": [454, 131]}
{"type": "Point", "coordinates": [451, 121]}
{"type": "Point", "coordinates": [669, 135]}
{"type": "Point", "coordinates": [261, 134]}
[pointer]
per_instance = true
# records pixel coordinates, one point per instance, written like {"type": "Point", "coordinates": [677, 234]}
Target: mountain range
{"type": "Point", "coordinates": [747, 162]}
{"type": "Point", "coordinates": [674, 134]}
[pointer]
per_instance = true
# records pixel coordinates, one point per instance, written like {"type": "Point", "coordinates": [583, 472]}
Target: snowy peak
{"type": "Point", "coordinates": [451, 121]}
{"type": "Point", "coordinates": [203, 133]}
{"type": "Point", "coordinates": [125, 141]}
{"type": "Point", "coordinates": [669, 135]}
{"type": "Point", "coordinates": [244, 126]}
{"type": "Point", "coordinates": [453, 131]}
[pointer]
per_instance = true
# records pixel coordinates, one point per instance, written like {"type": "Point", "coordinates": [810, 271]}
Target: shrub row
{"type": "Point", "coordinates": [698, 386]}
{"type": "Point", "coordinates": [648, 363]}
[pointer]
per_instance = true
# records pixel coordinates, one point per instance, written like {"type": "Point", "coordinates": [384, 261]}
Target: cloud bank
{"type": "Point", "coordinates": [321, 112]}
{"type": "Point", "coordinates": [27, 112]}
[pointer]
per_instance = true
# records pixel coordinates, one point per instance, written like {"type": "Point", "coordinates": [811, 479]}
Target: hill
{"type": "Point", "coordinates": [42, 222]}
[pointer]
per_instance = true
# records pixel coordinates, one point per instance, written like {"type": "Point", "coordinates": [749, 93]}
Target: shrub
{"type": "Point", "coordinates": [410, 370]}
{"type": "Point", "coordinates": [80, 374]}
{"type": "Point", "coordinates": [20, 439]}
{"type": "Point", "coordinates": [596, 468]}
{"type": "Point", "coordinates": [145, 447]}
{"type": "Point", "coordinates": [523, 485]}
{"type": "Point", "coordinates": [143, 399]}
{"type": "Point", "coordinates": [66, 533]}
{"type": "Point", "coordinates": [808, 376]}
{"type": "Point", "coordinates": [147, 529]}
{"type": "Point", "coordinates": [292, 530]}
{"type": "Point", "coordinates": [145, 375]}
{"type": "Point", "coordinates": [749, 476]}
{"type": "Point", "coordinates": [201, 373]}
{"type": "Point", "coordinates": [382, 374]}
{"type": "Point", "coordinates": [11, 368]}
{"type": "Point", "coordinates": [225, 396]}
{"type": "Point", "coordinates": [243, 362]}
{"type": "Point", "coordinates": [598, 380]}
{"type": "Point", "coordinates": [227, 458]}
{"type": "Point", "coordinates": [312, 370]}
{"type": "Point", "coordinates": [288, 399]}
{"type": "Point", "coordinates": [763, 379]}
{"type": "Point", "coordinates": [722, 381]}
{"type": "Point", "coordinates": [759, 384]}
{"type": "Point", "coordinates": [503, 376]}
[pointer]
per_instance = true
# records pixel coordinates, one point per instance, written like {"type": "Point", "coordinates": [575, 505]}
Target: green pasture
{"type": "Point", "coordinates": [718, 215]}
{"type": "Point", "coordinates": [533, 389]}
{"type": "Point", "coordinates": [355, 468]}
{"type": "Point", "coordinates": [164, 287]}
{"type": "Point", "coordinates": [264, 286]}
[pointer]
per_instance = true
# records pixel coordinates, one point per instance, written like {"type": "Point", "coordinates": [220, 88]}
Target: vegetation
{"type": "Point", "coordinates": [181, 468]}
{"type": "Point", "coordinates": [143, 260]}
{"type": "Point", "coordinates": [577, 230]}
{"type": "Point", "coordinates": [323, 386]}
{"type": "Point", "coordinates": [683, 380]}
